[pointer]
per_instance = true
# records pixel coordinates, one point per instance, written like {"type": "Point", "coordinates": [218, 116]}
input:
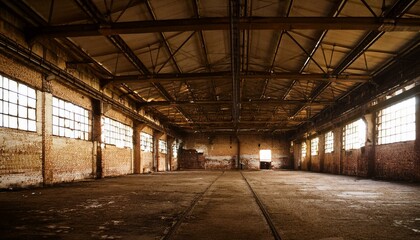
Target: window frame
{"type": "Point", "coordinates": [329, 142]}
{"type": "Point", "coordinates": [18, 105]}
{"type": "Point", "coordinates": [116, 133]}
{"type": "Point", "coordinates": [72, 123]}
{"type": "Point", "coordinates": [393, 128]}
{"type": "Point", "coordinates": [315, 146]}
{"type": "Point", "coordinates": [146, 142]}
{"type": "Point", "coordinates": [354, 135]}
{"type": "Point", "coordinates": [303, 150]}
{"type": "Point", "coordinates": [163, 146]}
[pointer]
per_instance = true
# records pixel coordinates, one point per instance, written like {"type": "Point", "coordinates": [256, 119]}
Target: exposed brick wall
{"type": "Point", "coordinates": [20, 158]}
{"type": "Point", "coordinates": [332, 163]}
{"type": "Point", "coordinates": [221, 151]}
{"type": "Point", "coordinates": [190, 159]}
{"type": "Point", "coordinates": [162, 162]}
{"type": "Point", "coordinates": [117, 161]}
{"type": "Point", "coordinates": [146, 162]}
{"type": "Point", "coordinates": [72, 159]}
{"type": "Point", "coordinates": [315, 163]}
{"type": "Point", "coordinates": [397, 161]}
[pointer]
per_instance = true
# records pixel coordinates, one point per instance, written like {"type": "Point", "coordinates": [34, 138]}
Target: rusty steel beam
{"type": "Point", "coordinates": [395, 12]}
{"type": "Point", "coordinates": [243, 102]}
{"type": "Point", "coordinates": [139, 78]}
{"type": "Point", "coordinates": [223, 23]}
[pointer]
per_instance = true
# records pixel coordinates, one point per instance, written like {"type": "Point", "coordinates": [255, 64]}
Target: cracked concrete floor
{"type": "Point", "coordinates": [303, 205]}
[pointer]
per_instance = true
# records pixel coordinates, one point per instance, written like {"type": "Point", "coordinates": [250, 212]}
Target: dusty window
{"type": "Point", "coordinates": [70, 120]}
{"type": "Point", "coordinates": [354, 135]}
{"type": "Point", "coordinates": [116, 133]}
{"type": "Point", "coordinates": [146, 142]}
{"type": "Point", "coordinates": [314, 146]}
{"type": "Point", "coordinates": [397, 123]}
{"type": "Point", "coordinates": [329, 142]}
{"type": "Point", "coordinates": [17, 105]}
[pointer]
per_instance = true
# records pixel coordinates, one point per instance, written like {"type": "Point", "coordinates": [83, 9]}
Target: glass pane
{"type": "Point", "coordinates": [23, 89]}
{"type": "Point", "coordinates": [23, 100]}
{"type": "Point", "coordinates": [5, 83]}
{"type": "Point", "coordinates": [31, 103]}
{"type": "Point", "coordinates": [13, 109]}
{"type": "Point", "coordinates": [23, 124]}
{"type": "Point", "coordinates": [13, 123]}
{"type": "Point", "coordinates": [5, 121]}
{"type": "Point", "coordinates": [31, 114]}
{"type": "Point", "coordinates": [23, 112]}
{"type": "Point", "coordinates": [13, 86]}
{"type": "Point", "coordinates": [13, 97]}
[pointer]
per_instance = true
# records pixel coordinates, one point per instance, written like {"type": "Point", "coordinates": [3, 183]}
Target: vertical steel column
{"type": "Point", "coordinates": [235, 12]}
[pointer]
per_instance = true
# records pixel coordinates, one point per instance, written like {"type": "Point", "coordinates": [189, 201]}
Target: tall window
{"type": "Point", "coordinates": [174, 149]}
{"type": "Point", "coordinates": [146, 142]}
{"type": "Point", "coordinates": [303, 150]}
{"type": "Point", "coordinates": [354, 135]}
{"type": "Point", "coordinates": [314, 146]}
{"type": "Point", "coordinates": [70, 120]}
{"type": "Point", "coordinates": [397, 123]}
{"type": "Point", "coordinates": [116, 133]}
{"type": "Point", "coordinates": [329, 142]}
{"type": "Point", "coordinates": [17, 105]}
{"type": "Point", "coordinates": [163, 147]}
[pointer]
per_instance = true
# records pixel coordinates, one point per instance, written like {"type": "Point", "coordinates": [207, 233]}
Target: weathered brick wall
{"type": "Point", "coordinates": [117, 161]}
{"type": "Point", "coordinates": [350, 161]}
{"type": "Point", "coordinates": [213, 152]}
{"type": "Point", "coordinates": [20, 158]}
{"type": "Point", "coordinates": [189, 159]}
{"type": "Point", "coordinates": [220, 152]}
{"type": "Point", "coordinates": [162, 162]}
{"type": "Point", "coordinates": [332, 163]}
{"type": "Point", "coordinates": [146, 162]}
{"type": "Point", "coordinates": [315, 163]}
{"type": "Point", "coordinates": [72, 159]}
{"type": "Point", "coordinates": [397, 161]}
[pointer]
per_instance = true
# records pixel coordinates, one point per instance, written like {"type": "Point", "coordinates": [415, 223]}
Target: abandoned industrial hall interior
{"type": "Point", "coordinates": [210, 119]}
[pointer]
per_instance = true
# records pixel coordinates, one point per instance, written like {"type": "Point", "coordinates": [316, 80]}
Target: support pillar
{"type": "Point", "coordinates": [97, 110]}
{"type": "Point", "coordinates": [46, 122]}
{"type": "Point", "coordinates": [156, 137]}
{"type": "Point", "coordinates": [169, 156]}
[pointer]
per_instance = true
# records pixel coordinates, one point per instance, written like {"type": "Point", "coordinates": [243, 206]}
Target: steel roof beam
{"type": "Point", "coordinates": [395, 12]}
{"type": "Point", "coordinates": [165, 77]}
{"type": "Point", "coordinates": [223, 23]}
{"type": "Point", "coordinates": [243, 102]}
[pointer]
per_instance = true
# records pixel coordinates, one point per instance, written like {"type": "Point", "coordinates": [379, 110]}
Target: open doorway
{"type": "Point", "coordinates": [265, 159]}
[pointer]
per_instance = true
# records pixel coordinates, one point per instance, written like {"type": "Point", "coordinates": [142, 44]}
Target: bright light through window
{"type": "Point", "coordinates": [303, 150]}
{"type": "Point", "coordinates": [162, 146]}
{"type": "Point", "coordinates": [70, 120]}
{"type": "Point", "coordinates": [17, 105]}
{"type": "Point", "coordinates": [397, 123]}
{"type": "Point", "coordinates": [329, 142]}
{"type": "Point", "coordinates": [265, 155]}
{"type": "Point", "coordinates": [354, 135]}
{"type": "Point", "coordinates": [314, 146]}
{"type": "Point", "coordinates": [116, 133]}
{"type": "Point", "coordinates": [175, 149]}
{"type": "Point", "coordinates": [146, 142]}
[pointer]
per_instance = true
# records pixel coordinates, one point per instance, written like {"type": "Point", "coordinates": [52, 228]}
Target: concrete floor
{"type": "Point", "coordinates": [302, 205]}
